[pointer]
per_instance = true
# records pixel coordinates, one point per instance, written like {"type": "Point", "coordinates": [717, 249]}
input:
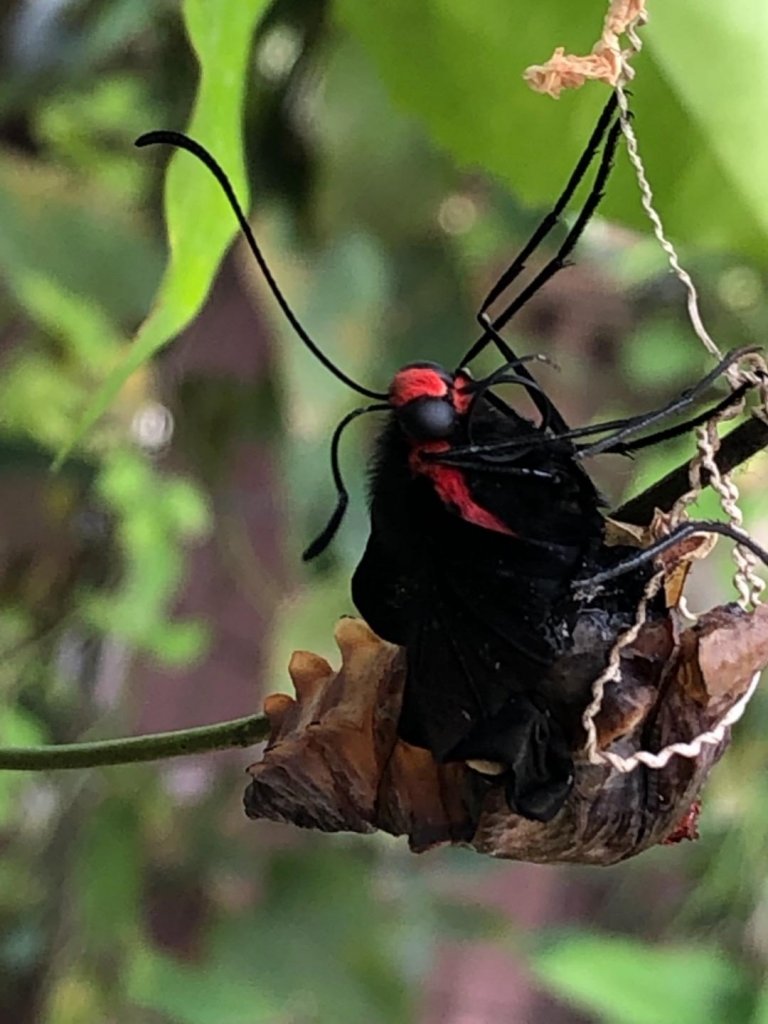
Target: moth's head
{"type": "Point", "coordinates": [428, 401]}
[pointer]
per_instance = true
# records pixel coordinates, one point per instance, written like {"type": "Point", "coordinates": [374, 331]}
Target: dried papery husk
{"type": "Point", "coordinates": [334, 762]}
{"type": "Point", "coordinates": [607, 62]}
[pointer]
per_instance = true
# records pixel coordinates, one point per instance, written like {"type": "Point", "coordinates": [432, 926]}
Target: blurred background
{"type": "Point", "coordinates": [395, 160]}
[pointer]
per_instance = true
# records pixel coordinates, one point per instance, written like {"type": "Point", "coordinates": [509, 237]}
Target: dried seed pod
{"type": "Point", "coordinates": [334, 761]}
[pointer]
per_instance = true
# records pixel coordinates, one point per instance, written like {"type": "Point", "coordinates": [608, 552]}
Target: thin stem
{"type": "Point", "coordinates": [240, 732]}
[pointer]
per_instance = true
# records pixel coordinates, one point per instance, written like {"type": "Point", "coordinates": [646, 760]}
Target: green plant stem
{"type": "Point", "coordinates": [240, 732]}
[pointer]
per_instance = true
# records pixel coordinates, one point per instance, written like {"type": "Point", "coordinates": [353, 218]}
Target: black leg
{"type": "Point", "coordinates": [590, 585]}
{"type": "Point", "coordinates": [550, 220]}
{"type": "Point", "coordinates": [504, 375]}
{"type": "Point", "coordinates": [567, 246]}
{"type": "Point", "coordinates": [676, 405]}
{"type": "Point", "coordinates": [569, 242]}
{"type": "Point", "coordinates": [490, 330]}
{"type": "Point", "coordinates": [625, 428]}
{"type": "Point", "coordinates": [497, 401]}
{"type": "Point", "coordinates": [547, 409]}
{"type": "Point", "coordinates": [624, 448]}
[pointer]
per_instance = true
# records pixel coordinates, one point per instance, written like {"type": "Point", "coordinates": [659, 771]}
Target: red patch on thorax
{"type": "Point", "coordinates": [452, 488]}
{"type": "Point", "coordinates": [416, 382]}
{"type": "Point", "coordinates": [462, 396]}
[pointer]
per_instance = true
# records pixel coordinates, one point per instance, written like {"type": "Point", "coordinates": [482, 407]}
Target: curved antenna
{"type": "Point", "coordinates": [505, 375]}
{"type": "Point", "coordinates": [546, 407]}
{"type": "Point", "coordinates": [324, 538]}
{"type": "Point", "coordinates": [179, 141]}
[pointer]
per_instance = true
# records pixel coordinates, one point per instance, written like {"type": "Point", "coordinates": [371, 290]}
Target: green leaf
{"type": "Point", "coordinates": [203, 995]}
{"type": "Point", "coordinates": [336, 962]}
{"type": "Point", "coordinates": [156, 517]}
{"type": "Point", "coordinates": [45, 218]}
{"type": "Point", "coordinates": [760, 1012]}
{"type": "Point", "coordinates": [108, 874]}
{"type": "Point", "coordinates": [90, 337]}
{"type": "Point", "coordinates": [714, 57]}
{"type": "Point", "coordinates": [628, 982]}
{"type": "Point", "coordinates": [18, 728]}
{"type": "Point", "coordinates": [457, 67]}
{"type": "Point", "coordinates": [199, 221]}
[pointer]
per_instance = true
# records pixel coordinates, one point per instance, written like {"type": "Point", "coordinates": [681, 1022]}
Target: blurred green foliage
{"type": "Point", "coordinates": [458, 70]}
{"type": "Point", "coordinates": [199, 220]}
{"type": "Point", "coordinates": [396, 160]}
{"type": "Point", "coordinates": [640, 984]}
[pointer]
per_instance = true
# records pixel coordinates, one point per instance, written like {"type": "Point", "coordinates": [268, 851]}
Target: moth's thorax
{"type": "Point", "coordinates": [451, 486]}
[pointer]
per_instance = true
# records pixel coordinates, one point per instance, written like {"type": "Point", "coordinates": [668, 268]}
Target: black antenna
{"type": "Point", "coordinates": [180, 141]}
{"type": "Point", "coordinates": [324, 538]}
{"type": "Point", "coordinates": [505, 375]}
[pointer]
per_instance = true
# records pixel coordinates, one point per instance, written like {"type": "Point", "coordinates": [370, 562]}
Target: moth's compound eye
{"type": "Point", "coordinates": [427, 419]}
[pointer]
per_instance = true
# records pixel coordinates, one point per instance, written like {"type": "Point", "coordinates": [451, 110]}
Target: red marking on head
{"type": "Point", "coordinates": [462, 395]}
{"type": "Point", "coordinates": [687, 827]}
{"type": "Point", "coordinates": [417, 382]}
{"type": "Point", "coordinates": [451, 486]}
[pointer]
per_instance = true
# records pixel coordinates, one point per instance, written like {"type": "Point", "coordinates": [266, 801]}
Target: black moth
{"type": "Point", "coordinates": [487, 544]}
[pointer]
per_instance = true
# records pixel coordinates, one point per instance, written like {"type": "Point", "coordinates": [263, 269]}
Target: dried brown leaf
{"type": "Point", "coordinates": [334, 761]}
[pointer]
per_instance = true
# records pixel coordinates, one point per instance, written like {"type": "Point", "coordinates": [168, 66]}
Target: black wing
{"type": "Point", "coordinates": [478, 646]}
